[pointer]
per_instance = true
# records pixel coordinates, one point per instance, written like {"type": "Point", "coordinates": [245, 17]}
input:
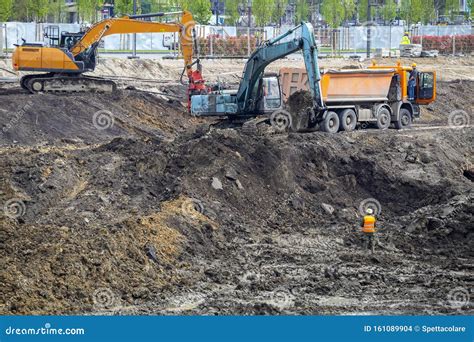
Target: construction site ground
{"type": "Point", "coordinates": [125, 204]}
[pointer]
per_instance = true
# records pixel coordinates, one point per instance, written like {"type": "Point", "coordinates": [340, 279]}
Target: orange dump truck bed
{"type": "Point", "coordinates": [351, 85]}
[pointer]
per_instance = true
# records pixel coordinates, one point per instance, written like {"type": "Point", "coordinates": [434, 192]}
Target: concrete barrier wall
{"type": "Point", "coordinates": [355, 37]}
{"type": "Point", "coordinates": [33, 32]}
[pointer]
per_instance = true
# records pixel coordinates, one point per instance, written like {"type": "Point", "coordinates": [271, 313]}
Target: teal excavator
{"type": "Point", "coordinates": [259, 92]}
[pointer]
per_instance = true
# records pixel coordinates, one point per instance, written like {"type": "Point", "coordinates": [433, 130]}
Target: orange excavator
{"type": "Point", "coordinates": [68, 56]}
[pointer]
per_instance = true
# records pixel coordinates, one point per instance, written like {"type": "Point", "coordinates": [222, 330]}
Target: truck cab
{"type": "Point", "coordinates": [425, 87]}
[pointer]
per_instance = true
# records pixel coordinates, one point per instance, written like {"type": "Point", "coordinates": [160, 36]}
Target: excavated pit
{"type": "Point", "coordinates": [150, 215]}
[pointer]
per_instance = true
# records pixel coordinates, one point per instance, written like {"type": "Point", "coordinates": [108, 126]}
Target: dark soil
{"type": "Point", "coordinates": [84, 118]}
{"type": "Point", "coordinates": [150, 217]}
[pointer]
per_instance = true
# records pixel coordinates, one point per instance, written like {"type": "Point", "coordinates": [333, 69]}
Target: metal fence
{"type": "Point", "coordinates": [353, 40]}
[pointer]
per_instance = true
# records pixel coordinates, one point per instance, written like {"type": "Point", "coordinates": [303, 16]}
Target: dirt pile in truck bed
{"type": "Point", "coordinates": [168, 220]}
{"type": "Point", "coordinates": [299, 101]}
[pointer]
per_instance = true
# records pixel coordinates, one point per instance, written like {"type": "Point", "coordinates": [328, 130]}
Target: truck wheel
{"type": "Point", "coordinates": [347, 120]}
{"type": "Point", "coordinates": [330, 124]}
{"type": "Point", "coordinates": [383, 118]}
{"type": "Point", "coordinates": [404, 119]}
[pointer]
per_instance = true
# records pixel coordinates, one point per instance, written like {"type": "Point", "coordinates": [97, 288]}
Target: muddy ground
{"type": "Point", "coordinates": [122, 204]}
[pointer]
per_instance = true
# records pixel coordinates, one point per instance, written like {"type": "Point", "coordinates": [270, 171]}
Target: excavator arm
{"type": "Point", "coordinates": [129, 24]}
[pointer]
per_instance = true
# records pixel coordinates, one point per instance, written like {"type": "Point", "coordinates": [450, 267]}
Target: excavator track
{"type": "Point", "coordinates": [51, 83]}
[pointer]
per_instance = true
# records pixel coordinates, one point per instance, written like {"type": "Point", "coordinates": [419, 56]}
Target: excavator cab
{"type": "Point", "coordinates": [68, 39]}
{"type": "Point", "coordinates": [65, 40]}
{"type": "Point", "coordinates": [271, 93]}
{"type": "Point", "coordinates": [52, 34]}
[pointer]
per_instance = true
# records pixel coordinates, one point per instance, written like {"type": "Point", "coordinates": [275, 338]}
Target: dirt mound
{"type": "Point", "coordinates": [84, 118]}
{"type": "Point", "coordinates": [147, 215]}
{"type": "Point", "coordinates": [454, 104]}
{"type": "Point", "coordinates": [230, 223]}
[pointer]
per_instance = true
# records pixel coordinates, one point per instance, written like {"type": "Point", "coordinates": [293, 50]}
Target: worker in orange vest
{"type": "Point", "coordinates": [368, 228]}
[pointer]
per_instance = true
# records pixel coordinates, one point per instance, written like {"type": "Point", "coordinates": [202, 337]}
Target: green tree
{"type": "Point", "coordinates": [362, 10]}
{"type": "Point", "coordinates": [335, 11]}
{"type": "Point", "coordinates": [279, 10]}
{"type": "Point", "coordinates": [428, 12]}
{"type": "Point", "coordinates": [56, 10]}
{"type": "Point", "coordinates": [20, 10]}
{"type": "Point", "coordinates": [389, 11]}
{"type": "Point", "coordinates": [405, 11]}
{"type": "Point", "coordinates": [201, 10]}
{"type": "Point", "coordinates": [262, 10]}
{"type": "Point", "coordinates": [6, 8]}
{"type": "Point", "coordinates": [38, 9]}
{"type": "Point", "coordinates": [417, 8]}
{"type": "Point", "coordinates": [349, 9]}
{"type": "Point", "coordinates": [469, 8]}
{"type": "Point", "coordinates": [231, 11]}
{"type": "Point", "coordinates": [451, 8]}
{"type": "Point", "coordinates": [87, 9]}
{"type": "Point", "coordinates": [162, 6]}
{"type": "Point", "coordinates": [122, 7]}
{"type": "Point", "coordinates": [302, 11]}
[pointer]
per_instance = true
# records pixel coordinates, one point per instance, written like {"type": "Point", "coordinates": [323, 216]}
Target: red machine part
{"type": "Point", "coordinates": [197, 85]}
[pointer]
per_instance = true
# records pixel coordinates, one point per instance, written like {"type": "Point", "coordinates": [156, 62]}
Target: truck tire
{"type": "Point", "coordinates": [383, 118]}
{"type": "Point", "coordinates": [347, 120]}
{"type": "Point", "coordinates": [404, 119]}
{"type": "Point", "coordinates": [330, 123]}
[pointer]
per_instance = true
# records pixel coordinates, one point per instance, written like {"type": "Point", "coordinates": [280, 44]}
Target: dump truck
{"type": "Point", "coordinates": [375, 95]}
{"type": "Point", "coordinates": [340, 99]}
